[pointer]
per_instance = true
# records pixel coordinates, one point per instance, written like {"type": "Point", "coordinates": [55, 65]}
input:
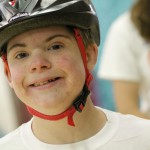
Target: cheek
{"type": "Point", "coordinates": [72, 65]}
{"type": "Point", "coordinates": [16, 74]}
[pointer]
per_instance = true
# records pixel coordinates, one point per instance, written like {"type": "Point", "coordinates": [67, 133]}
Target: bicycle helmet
{"type": "Point", "coordinates": [26, 15]}
{"type": "Point", "coordinates": [30, 14]}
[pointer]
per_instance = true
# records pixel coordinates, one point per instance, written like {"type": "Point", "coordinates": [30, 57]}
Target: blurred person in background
{"type": "Point", "coordinates": [126, 60]}
{"type": "Point", "coordinates": [107, 11]}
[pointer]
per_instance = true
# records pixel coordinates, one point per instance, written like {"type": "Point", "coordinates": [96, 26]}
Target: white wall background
{"type": "Point", "coordinates": [8, 117]}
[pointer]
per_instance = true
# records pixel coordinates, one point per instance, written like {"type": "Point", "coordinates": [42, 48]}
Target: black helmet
{"type": "Point", "coordinates": [30, 14]}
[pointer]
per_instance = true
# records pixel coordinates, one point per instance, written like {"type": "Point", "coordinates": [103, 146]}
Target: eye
{"type": "Point", "coordinates": [55, 47]}
{"type": "Point", "coordinates": [21, 55]}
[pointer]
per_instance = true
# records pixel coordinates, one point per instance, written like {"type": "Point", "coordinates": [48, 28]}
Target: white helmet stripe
{"type": "Point", "coordinates": [46, 3]}
{"type": "Point", "coordinates": [57, 7]}
{"type": "Point", "coordinates": [28, 5]}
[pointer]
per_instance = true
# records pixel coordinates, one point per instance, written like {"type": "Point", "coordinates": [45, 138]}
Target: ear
{"type": "Point", "coordinates": [7, 73]}
{"type": "Point", "coordinates": [91, 53]}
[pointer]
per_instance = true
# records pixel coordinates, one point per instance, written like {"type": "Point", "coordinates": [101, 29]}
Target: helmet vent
{"type": "Point", "coordinates": [46, 3]}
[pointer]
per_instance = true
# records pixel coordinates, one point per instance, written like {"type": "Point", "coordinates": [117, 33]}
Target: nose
{"type": "Point", "coordinates": [39, 63]}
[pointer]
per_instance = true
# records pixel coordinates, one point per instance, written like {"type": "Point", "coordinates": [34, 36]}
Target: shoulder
{"type": "Point", "coordinates": [9, 140]}
{"type": "Point", "coordinates": [128, 121]}
{"type": "Point", "coordinates": [132, 127]}
{"type": "Point", "coordinates": [124, 27]}
{"type": "Point", "coordinates": [123, 20]}
{"type": "Point", "coordinates": [129, 132]}
{"type": "Point", "coordinates": [136, 123]}
{"type": "Point", "coordinates": [13, 140]}
{"type": "Point", "coordinates": [120, 43]}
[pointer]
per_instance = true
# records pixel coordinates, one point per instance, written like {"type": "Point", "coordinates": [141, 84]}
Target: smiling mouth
{"type": "Point", "coordinates": [45, 82]}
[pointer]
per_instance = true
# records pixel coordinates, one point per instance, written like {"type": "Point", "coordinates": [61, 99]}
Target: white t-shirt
{"type": "Point", "coordinates": [121, 132]}
{"type": "Point", "coordinates": [126, 57]}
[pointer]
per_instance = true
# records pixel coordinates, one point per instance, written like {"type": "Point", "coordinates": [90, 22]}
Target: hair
{"type": "Point", "coordinates": [87, 37]}
{"type": "Point", "coordinates": [86, 34]}
{"type": "Point", "coordinates": [4, 50]}
{"type": "Point", "coordinates": [140, 15]}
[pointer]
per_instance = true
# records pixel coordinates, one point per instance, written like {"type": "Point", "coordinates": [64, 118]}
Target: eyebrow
{"type": "Point", "coordinates": [55, 36]}
{"type": "Point", "coordinates": [17, 45]}
{"type": "Point", "coordinates": [47, 40]}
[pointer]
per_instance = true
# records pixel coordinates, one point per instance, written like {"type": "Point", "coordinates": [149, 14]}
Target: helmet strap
{"type": "Point", "coordinates": [81, 46]}
{"type": "Point", "coordinates": [4, 58]}
{"type": "Point", "coordinates": [78, 105]}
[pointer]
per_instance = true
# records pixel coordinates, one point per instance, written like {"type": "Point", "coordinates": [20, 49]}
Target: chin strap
{"type": "Point", "coordinates": [78, 105]}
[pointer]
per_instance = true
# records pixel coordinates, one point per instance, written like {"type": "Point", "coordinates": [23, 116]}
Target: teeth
{"type": "Point", "coordinates": [42, 83]}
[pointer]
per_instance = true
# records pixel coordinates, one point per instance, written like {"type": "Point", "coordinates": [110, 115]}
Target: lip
{"type": "Point", "coordinates": [51, 81]}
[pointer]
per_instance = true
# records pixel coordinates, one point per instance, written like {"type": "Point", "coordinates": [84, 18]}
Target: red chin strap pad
{"type": "Point", "coordinates": [68, 113]}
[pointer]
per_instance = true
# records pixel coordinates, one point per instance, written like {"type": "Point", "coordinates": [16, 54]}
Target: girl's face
{"type": "Point", "coordinates": [46, 70]}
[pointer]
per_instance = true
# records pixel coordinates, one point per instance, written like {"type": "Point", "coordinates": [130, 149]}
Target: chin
{"type": "Point", "coordinates": [47, 103]}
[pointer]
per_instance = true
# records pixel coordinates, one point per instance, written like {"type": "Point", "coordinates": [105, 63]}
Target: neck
{"type": "Point", "coordinates": [54, 132]}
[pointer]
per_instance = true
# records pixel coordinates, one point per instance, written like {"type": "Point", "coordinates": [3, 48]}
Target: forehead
{"type": "Point", "coordinates": [41, 33]}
